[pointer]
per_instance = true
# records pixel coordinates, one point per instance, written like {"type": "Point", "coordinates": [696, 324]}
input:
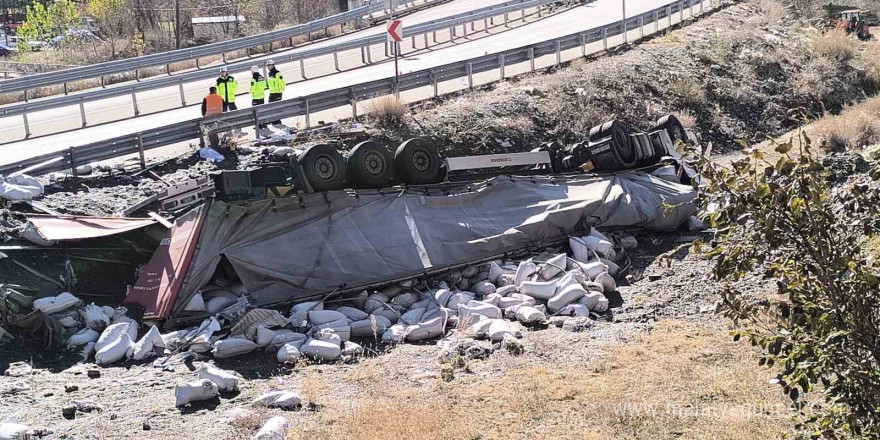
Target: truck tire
{"type": "Point", "coordinates": [673, 128]}
{"type": "Point", "coordinates": [417, 162]}
{"type": "Point", "coordinates": [645, 150]}
{"type": "Point", "coordinates": [370, 165]}
{"type": "Point", "coordinates": [614, 152]}
{"type": "Point", "coordinates": [606, 129]}
{"type": "Point", "coordinates": [324, 168]}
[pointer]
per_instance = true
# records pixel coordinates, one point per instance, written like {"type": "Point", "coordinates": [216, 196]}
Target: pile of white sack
{"type": "Point", "coordinates": [482, 300]}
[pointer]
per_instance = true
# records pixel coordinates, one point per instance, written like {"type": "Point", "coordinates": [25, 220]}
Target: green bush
{"type": "Point", "coordinates": [822, 330]}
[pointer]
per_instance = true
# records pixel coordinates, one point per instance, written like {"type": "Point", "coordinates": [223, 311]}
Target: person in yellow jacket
{"type": "Point", "coordinates": [276, 87]}
{"type": "Point", "coordinates": [258, 94]}
{"type": "Point", "coordinates": [226, 88]}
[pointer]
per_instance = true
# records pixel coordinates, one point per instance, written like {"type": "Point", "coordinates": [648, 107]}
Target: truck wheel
{"type": "Point", "coordinates": [642, 143]}
{"type": "Point", "coordinates": [606, 129]}
{"type": "Point", "coordinates": [370, 165]}
{"type": "Point", "coordinates": [673, 128]}
{"type": "Point", "coordinates": [324, 168]}
{"type": "Point", "coordinates": [417, 162]}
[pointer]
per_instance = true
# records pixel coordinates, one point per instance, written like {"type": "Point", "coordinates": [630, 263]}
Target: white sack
{"type": "Point", "coordinates": [20, 187]}
{"type": "Point", "coordinates": [83, 337]}
{"type": "Point", "coordinates": [430, 329]}
{"type": "Point", "coordinates": [542, 290]}
{"type": "Point", "coordinates": [553, 267]}
{"type": "Point", "coordinates": [350, 349]}
{"type": "Point", "coordinates": [263, 336]}
{"type": "Point", "coordinates": [524, 271]}
{"type": "Point", "coordinates": [218, 303]}
{"type": "Point", "coordinates": [352, 313]}
{"type": "Point", "coordinates": [299, 313]}
{"type": "Point", "coordinates": [483, 288]}
{"type": "Point", "coordinates": [143, 348]}
{"type": "Point", "coordinates": [93, 317]}
{"type": "Point", "coordinates": [594, 268]}
{"type": "Point", "coordinates": [274, 429]}
{"type": "Point", "coordinates": [492, 298]}
{"type": "Point", "coordinates": [405, 299]}
{"type": "Point", "coordinates": [321, 350]}
{"type": "Point", "coordinates": [13, 431]}
{"type": "Point", "coordinates": [285, 338]}
{"type": "Point", "coordinates": [458, 298]}
{"type": "Point", "coordinates": [289, 353]}
{"type": "Point", "coordinates": [390, 314]}
{"type": "Point", "coordinates": [88, 350]}
{"type": "Point", "coordinates": [567, 296]}
{"type": "Point", "coordinates": [365, 327]}
{"type": "Point", "coordinates": [497, 329]}
{"type": "Point", "coordinates": [202, 389]}
{"type": "Point", "coordinates": [55, 304]}
{"type": "Point", "coordinates": [613, 268]}
{"type": "Point", "coordinates": [232, 347]}
{"type": "Point", "coordinates": [396, 333]}
{"type": "Point", "coordinates": [530, 315]}
{"type": "Point", "coordinates": [196, 304]}
{"type": "Point", "coordinates": [113, 332]}
{"type": "Point", "coordinates": [480, 329]}
{"type": "Point", "coordinates": [591, 299]}
{"type": "Point", "coordinates": [477, 308]}
{"type": "Point", "coordinates": [495, 271]}
{"type": "Point", "coordinates": [318, 317]}
{"type": "Point", "coordinates": [226, 381]}
{"type": "Point", "coordinates": [109, 312]}
{"type": "Point", "coordinates": [607, 282]}
{"type": "Point", "coordinates": [375, 302]}
{"type": "Point", "coordinates": [506, 290]}
{"type": "Point", "coordinates": [115, 350]}
{"type": "Point", "coordinates": [576, 309]}
{"type": "Point", "coordinates": [413, 316]}
{"type": "Point", "coordinates": [279, 399]}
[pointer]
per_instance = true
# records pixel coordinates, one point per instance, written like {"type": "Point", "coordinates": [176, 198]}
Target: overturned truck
{"type": "Point", "coordinates": [321, 240]}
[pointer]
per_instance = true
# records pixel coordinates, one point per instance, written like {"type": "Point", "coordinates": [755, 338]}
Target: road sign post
{"type": "Point", "coordinates": [395, 36]}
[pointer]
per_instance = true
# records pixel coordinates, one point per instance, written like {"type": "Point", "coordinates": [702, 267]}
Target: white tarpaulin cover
{"type": "Point", "coordinates": [284, 249]}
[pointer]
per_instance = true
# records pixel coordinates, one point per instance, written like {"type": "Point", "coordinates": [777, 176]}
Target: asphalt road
{"type": "Point", "coordinates": [492, 40]}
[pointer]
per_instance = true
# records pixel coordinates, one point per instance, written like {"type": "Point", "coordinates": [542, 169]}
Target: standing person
{"type": "Point", "coordinates": [226, 88]}
{"type": "Point", "coordinates": [276, 88]}
{"type": "Point", "coordinates": [212, 105]}
{"type": "Point", "coordinates": [258, 94]}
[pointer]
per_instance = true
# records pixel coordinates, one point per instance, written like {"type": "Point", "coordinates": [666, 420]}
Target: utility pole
{"type": "Point", "coordinates": [177, 24]}
{"type": "Point", "coordinates": [624, 21]}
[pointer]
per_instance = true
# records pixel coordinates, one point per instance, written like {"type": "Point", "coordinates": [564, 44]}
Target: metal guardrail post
{"type": "Point", "coordinates": [680, 12]}
{"type": "Point", "coordinates": [584, 45]}
{"type": "Point", "coordinates": [336, 60]}
{"type": "Point", "coordinates": [470, 74]}
{"type": "Point", "coordinates": [27, 128]}
{"type": "Point", "coordinates": [605, 38]}
{"type": "Point", "coordinates": [72, 155]}
{"type": "Point", "coordinates": [363, 56]}
{"type": "Point", "coordinates": [354, 106]}
{"type": "Point", "coordinates": [182, 95]}
{"type": "Point", "coordinates": [669, 16]}
{"type": "Point", "coordinates": [25, 95]}
{"type": "Point", "coordinates": [656, 21]}
{"type": "Point", "coordinates": [702, 2]}
{"type": "Point", "coordinates": [369, 54]}
{"type": "Point", "coordinates": [387, 53]}
{"type": "Point", "coordinates": [65, 89]}
{"type": "Point", "coordinates": [532, 58]}
{"type": "Point", "coordinates": [641, 27]}
{"type": "Point", "coordinates": [434, 36]}
{"type": "Point", "coordinates": [485, 24]}
{"type": "Point", "coordinates": [425, 37]}
{"type": "Point", "coordinates": [505, 20]}
{"type": "Point", "coordinates": [302, 68]}
{"type": "Point", "coordinates": [134, 103]}
{"type": "Point", "coordinates": [103, 84]}
{"type": "Point", "coordinates": [464, 29]}
{"type": "Point", "coordinates": [539, 12]}
{"type": "Point", "coordinates": [308, 121]}
{"type": "Point", "coordinates": [200, 67]}
{"type": "Point", "coordinates": [140, 143]}
{"type": "Point", "coordinates": [434, 83]}
{"type": "Point", "coordinates": [82, 113]}
{"type": "Point", "coordinates": [501, 60]}
{"type": "Point", "coordinates": [414, 41]}
{"type": "Point", "coordinates": [256, 123]}
{"type": "Point", "coordinates": [452, 33]}
{"type": "Point", "coordinates": [558, 53]}
{"type": "Point", "coordinates": [168, 69]}
{"type": "Point", "coordinates": [137, 75]}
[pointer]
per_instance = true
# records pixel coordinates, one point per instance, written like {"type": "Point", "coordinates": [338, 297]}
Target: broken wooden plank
{"type": "Point", "coordinates": [160, 219]}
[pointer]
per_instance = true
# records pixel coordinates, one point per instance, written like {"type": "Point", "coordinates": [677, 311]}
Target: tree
{"type": "Point", "coordinates": [44, 23]}
{"type": "Point", "coordinates": [823, 327]}
{"type": "Point", "coordinates": [116, 21]}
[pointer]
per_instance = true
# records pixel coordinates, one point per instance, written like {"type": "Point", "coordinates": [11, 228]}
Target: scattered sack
{"type": "Point", "coordinates": [567, 296]}
{"type": "Point", "coordinates": [13, 431]}
{"type": "Point", "coordinates": [115, 350]}
{"type": "Point", "coordinates": [483, 288]}
{"type": "Point", "coordinates": [530, 315]}
{"type": "Point", "coordinates": [83, 337]}
{"type": "Point", "coordinates": [340, 327]}
{"type": "Point", "coordinates": [319, 317]}
{"type": "Point", "coordinates": [542, 290]}
{"type": "Point", "coordinates": [352, 313]}
{"type": "Point", "coordinates": [577, 324]}
{"type": "Point", "coordinates": [94, 317]}
{"type": "Point", "coordinates": [274, 429]}
{"type": "Point", "coordinates": [592, 299]}
{"type": "Point", "coordinates": [113, 333]}
{"type": "Point", "coordinates": [202, 389]}
{"type": "Point", "coordinates": [373, 326]}
{"type": "Point", "coordinates": [478, 308]}
{"type": "Point", "coordinates": [430, 329]}
{"type": "Point", "coordinates": [20, 187]}
{"type": "Point", "coordinates": [287, 337]}
{"type": "Point", "coordinates": [232, 347]}
{"type": "Point", "coordinates": [226, 381]}
{"type": "Point", "coordinates": [19, 369]}
{"type": "Point", "coordinates": [219, 301]}
{"type": "Point", "coordinates": [498, 328]}
{"type": "Point", "coordinates": [351, 350]}
{"type": "Point", "coordinates": [146, 346]}
{"type": "Point", "coordinates": [405, 300]}
{"type": "Point", "coordinates": [553, 267]}
{"type": "Point", "coordinates": [279, 399]}
{"type": "Point", "coordinates": [607, 282]}
{"type": "Point", "coordinates": [289, 353]}
{"type": "Point", "coordinates": [524, 271]}
{"type": "Point", "coordinates": [396, 333]}
{"type": "Point", "coordinates": [299, 313]}
{"type": "Point", "coordinates": [55, 304]}
{"type": "Point", "coordinates": [87, 351]}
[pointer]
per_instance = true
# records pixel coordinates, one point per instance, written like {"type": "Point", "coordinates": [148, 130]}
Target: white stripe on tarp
{"type": "Point", "coordinates": [417, 239]}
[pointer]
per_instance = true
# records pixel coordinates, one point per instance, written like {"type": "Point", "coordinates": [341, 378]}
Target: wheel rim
{"type": "Point", "coordinates": [421, 161]}
{"type": "Point", "coordinates": [325, 167]}
{"type": "Point", "coordinates": [677, 133]}
{"type": "Point", "coordinates": [374, 164]}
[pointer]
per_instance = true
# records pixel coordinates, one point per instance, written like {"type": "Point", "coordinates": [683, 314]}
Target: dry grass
{"type": "Point", "coordinates": [771, 12]}
{"type": "Point", "coordinates": [834, 44]}
{"type": "Point", "coordinates": [683, 380]}
{"type": "Point", "coordinates": [857, 126]}
{"type": "Point", "coordinates": [687, 119]}
{"type": "Point", "coordinates": [687, 90]}
{"type": "Point", "coordinates": [387, 111]}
